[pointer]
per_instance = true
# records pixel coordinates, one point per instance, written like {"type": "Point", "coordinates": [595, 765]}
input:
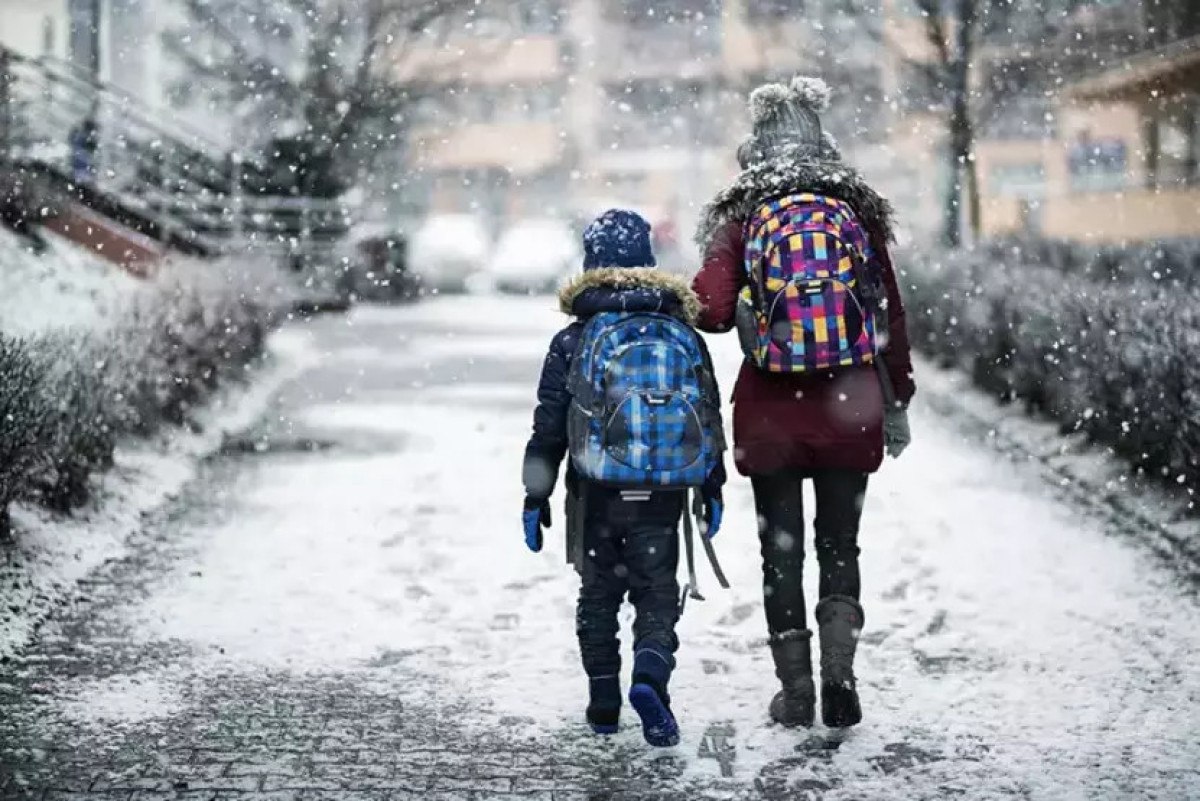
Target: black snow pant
{"type": "Point", "coordinates": [777, 497]}
{"type": "Point", "coordinates": [629, 546]}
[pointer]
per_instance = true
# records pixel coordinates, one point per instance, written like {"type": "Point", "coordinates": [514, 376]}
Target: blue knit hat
{"type": "Point", "coordinates": [617, 238]}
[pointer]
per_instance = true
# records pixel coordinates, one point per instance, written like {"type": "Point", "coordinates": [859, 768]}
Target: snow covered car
{"type": "Point", "coordinates": [533, 256]}
{"type": "Point", "coordinates": [447, 250]}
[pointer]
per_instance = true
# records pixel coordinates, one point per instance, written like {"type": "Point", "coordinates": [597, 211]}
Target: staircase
{"type": "Point", "coordinates": [76, 154]}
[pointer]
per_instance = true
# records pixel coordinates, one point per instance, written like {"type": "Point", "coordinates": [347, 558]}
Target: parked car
{"type": "Point", "coordinates": [534, 255]}
{"type": "Point", "coordinates": [447, 250]}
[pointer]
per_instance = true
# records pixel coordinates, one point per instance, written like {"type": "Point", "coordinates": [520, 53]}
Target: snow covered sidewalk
{"type": "Point", "coordinates": [344, 608]}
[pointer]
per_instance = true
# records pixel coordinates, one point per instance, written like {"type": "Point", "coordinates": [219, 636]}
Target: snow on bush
{"type": "Point", "coordinates": [1104, 340]}
{"type": "Point", "coordinates": [68, 395]}
{"type": "Point", "coordinates": [61, 286]}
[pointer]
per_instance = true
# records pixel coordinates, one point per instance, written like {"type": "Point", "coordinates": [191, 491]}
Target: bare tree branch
{"type": "Point", "coordinates": [317, 63]}
{"type": "Point", "coordinates": [935, 28]}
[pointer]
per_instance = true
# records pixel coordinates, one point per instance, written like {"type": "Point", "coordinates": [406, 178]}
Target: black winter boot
{"type": "Point", "coordinates": [839, 621]}
{"type": "Point", "coordinates": [604, 704]}
{"type": "Point", "coordinates": [795, 704]}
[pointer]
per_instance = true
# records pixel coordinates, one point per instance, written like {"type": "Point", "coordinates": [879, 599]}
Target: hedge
{"type": "Point", "coordinates": [1104, 340]}
{"type": "Point", "coordinates": [68, 397]}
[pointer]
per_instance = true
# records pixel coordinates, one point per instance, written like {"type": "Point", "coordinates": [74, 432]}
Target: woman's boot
{"type": "Point", "coordinates": [839, 621]}
{"type": "Point", "coordinates": [793, 705]}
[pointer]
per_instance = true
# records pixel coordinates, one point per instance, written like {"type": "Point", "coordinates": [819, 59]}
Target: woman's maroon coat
{"type": "Point", "coordinates": [831, 420]}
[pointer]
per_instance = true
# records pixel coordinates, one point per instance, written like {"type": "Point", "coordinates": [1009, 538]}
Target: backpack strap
{"type": "Point", "coordinates": [576, 517]}
{"type": "Point", "coordinates": [692, 589]}
{"type": "Point", "coordinates": [754, 271]}
{"type": "Point", "coordinates": [885, 382]}
{"type": "Point", "coordinates": [709, 551]}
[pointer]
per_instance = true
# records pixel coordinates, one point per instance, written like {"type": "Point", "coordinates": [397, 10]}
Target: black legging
{"type": "Point", "coordinates": [777, 498]}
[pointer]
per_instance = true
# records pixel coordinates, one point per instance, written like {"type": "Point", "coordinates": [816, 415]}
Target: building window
{"type": "Point", "coordinates": [542, 102]}
{"type": "Point", "coordinates": [920, 90]}
{"type": "Point", "coordinates": [661, 113]}
{"type": "Point", "coordinates": [84, 16]}
{"type": "Point", "coordinates": [1019, 118]}
{"type": "Point", "coordinates": [541, 16]}
{"type": "Point", "coordinates": [1097, 165]}
{"type": "Point", "coordinates": [48, 36]}
{"type": "Point", "coordinates": [762, 10]}
{"type": "Point", "coordinates": [662, 12]}
{"type": "Point", "coordinates": [1175, 150]}
{"type": "Point", "coordinates": [1023, 180]}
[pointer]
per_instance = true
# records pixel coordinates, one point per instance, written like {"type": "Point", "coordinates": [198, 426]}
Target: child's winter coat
{"type": "Point", "coordinates": [592, 292]}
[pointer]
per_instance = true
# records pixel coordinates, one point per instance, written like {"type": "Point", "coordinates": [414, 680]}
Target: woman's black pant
{"type": "Point", "coordinates": [839, 495]}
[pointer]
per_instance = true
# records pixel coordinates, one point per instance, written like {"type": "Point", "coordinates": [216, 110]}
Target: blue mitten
{"type": "Point", "coordinates": [714, 508]}
{"type": "Point", "coordinates": [535, 518]}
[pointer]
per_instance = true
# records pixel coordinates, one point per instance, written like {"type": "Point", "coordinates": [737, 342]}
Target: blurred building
{"type": "Point", "coordinates": [57, 28]}
{"type": "Point", "coordinates": [117, 42]}
{"type": "Point", "coordinates": [1090, 132]}
{"type": "Point", "coordinates": [571, 106]}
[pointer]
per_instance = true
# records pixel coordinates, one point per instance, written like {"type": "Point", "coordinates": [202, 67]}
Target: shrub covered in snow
{"type": "Point", "coordinates": [1173, 262]}
{"type": "Point", "coordinates": [67, 396]}
{"type": "Point", "coordinates": [1104, 340]}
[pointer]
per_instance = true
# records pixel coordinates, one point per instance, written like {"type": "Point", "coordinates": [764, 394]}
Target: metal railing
{"type": "Point", "coordinates": [117, 151]}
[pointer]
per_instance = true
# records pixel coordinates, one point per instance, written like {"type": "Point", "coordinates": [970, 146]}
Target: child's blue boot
{"type": "Point", "coordinates": [604, 704]}
{"type": "Point", "coordinates": [652, 666]}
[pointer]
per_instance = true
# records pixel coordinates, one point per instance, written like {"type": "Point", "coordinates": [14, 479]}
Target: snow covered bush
{"type": "Point", "coordinates": [1104, 340]}
{"type": "Point", "coordinates": [68, 396]}
{"type": "Point", "coordinates": [20, 419]}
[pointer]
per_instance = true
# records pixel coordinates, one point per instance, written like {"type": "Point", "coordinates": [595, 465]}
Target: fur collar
{"type": "Point", "coordinates": [774, 178]}
{"type": "Point", "coordinates": [640, 278]}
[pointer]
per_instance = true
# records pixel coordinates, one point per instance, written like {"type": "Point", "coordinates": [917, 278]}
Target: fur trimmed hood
{"type": "Point", "coordinates": [786, 175]}
{"type": "Point", "coordinates": [629, 289]}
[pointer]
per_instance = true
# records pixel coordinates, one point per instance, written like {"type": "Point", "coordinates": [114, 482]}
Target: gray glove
{"type": "Point", "coordinates": [896, 433]}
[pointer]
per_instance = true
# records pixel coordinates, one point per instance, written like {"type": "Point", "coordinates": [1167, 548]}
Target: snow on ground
{"type": "Point", "coordinates": [127, 700]}
{"type": "Point", "coordinates": [1091, 475]}
{"type": "Point", "coordinates": [1011, 649]}
{"type": "Point", "coordinates": [64, 287]}
{"type": "Point", "coordinates": [51, 552]}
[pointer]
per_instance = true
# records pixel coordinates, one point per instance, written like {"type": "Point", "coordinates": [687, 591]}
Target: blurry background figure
{"type": "Point", "coordinates": [85, 142]}
{"type": "Point", "coordinates": [375, 268]}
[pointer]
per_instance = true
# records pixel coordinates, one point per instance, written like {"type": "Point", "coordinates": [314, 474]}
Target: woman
{"type": "Point", "coordinates": [830, 426]}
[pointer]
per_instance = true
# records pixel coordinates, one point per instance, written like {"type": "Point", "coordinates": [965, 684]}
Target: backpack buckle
{"type": "Point", "coordinates": [656, 398]}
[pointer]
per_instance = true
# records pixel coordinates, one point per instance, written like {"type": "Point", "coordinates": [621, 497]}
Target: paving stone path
{"type": "Point", "coordinates": [341, 607]}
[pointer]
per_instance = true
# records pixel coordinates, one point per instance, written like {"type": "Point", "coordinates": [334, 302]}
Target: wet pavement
{"type": "Point", "coordinates": [341, 607]}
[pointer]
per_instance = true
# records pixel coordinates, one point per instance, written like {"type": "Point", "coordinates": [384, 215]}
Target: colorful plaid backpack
{"type": "Point", "coordinates": [813, 299]}
{"type": "Point", "coordinates": [644, 406]}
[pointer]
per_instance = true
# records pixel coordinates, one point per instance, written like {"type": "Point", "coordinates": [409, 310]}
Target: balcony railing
{"type": "Point", "coordinates": [675, 48]}
{"type": "Point", "coordinates": [115, 152]}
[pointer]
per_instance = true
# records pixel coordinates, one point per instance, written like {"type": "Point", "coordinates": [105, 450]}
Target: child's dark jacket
{"type": "Point", "coordinates": [595, 291]}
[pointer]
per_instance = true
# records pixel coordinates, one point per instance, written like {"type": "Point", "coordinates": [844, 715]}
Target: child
{"type": "Point", "coordinates": [629, 357]}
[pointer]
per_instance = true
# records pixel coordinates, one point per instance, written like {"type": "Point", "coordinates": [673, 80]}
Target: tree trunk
{"type": "Point", "coordinates": [961, 170]}
{"type": "Point", "coordinates": [950, 220]}
{"type": "Point", "coordinates": [974, 206]}
{"type": "Point", "coordinates": [6, 106]}
{"type": "Point", "coordinates": [962, 129]}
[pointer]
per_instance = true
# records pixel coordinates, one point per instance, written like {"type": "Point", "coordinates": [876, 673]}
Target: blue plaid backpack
{"type": "Point", "coordinates": [644, 406]}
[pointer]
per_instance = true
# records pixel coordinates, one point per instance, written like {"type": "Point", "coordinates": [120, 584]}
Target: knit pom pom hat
{"type": "Point", "coordinates": [617, 238]}
{"type": "Point", "coordinates": [787, 117]}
